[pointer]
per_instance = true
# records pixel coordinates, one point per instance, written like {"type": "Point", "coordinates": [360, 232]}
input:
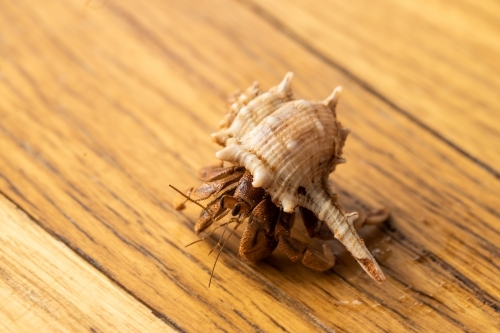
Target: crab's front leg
{"type": "Point", "coordinates": [217, 182]}
{"type": "Point", "coordinates": [296, 250]}
{"type": "Point", "coordinates": [213, 212]}
{"type": "Point", "coordinates": [258, 240]}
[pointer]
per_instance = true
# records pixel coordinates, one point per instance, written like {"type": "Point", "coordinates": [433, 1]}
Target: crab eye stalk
{"type": "Point", "coordinates": [236, 210]}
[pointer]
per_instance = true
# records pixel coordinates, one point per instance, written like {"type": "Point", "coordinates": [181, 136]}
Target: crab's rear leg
{"type": "Point", "coordinates": [375, 216]}
{"type": "Point", "coordinates": [296, 250]}
{"type": "Point", "coordinates": [258, 240]}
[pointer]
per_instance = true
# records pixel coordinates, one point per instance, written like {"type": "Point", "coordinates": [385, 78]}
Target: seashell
{"type": "Point", "coordinates": [237, 101]}
{"type": "Point", "coordinates": [290, 147]}
{"type": "Point", "coordinates": [250, 108]}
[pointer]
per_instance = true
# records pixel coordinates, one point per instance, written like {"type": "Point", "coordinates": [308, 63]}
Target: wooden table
{"type": "Point", "coordinates": [103, 104]}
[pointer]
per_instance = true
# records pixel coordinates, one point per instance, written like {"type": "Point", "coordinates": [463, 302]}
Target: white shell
{"type": "Point", "coordinates": [250, 109]}
{"type": "Point", "coordinates": [291, 147]}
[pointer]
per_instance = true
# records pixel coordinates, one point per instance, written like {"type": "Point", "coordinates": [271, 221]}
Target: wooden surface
{"type": "Point", "coordinates": [47, 287]}
{"type": "Point", "coordinates": [105, 103]}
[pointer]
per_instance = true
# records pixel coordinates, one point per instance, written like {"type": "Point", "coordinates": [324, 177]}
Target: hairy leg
{"type": "Point", "coordinates": [296, 250]}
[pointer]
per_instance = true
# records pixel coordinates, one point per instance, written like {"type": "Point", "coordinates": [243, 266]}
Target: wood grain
{"type": "Point", "coordinates": [103, 105]}
{"type": "Point", "coordinates": [46, 287]}
{"type": "Point", "coordinates": [434, 63]}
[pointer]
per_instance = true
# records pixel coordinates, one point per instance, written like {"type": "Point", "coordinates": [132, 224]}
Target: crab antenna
{"type": "Point", "coordinates": [220, 251]}
{"type": "Point", "coordinates": [211, 232]}
{"type": "Point", "coordinates": [222, 235]}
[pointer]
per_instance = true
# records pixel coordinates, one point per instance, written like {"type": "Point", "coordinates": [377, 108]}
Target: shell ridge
{"type": "Point", "coordinates": [290, 166]}
{"type": "Point", "coordinates": [291, 175]}
{"type": "Point", "coordinates": [291, 134]}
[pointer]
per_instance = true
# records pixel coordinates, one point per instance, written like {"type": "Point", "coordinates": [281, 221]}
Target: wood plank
{"type": "Point", "coordinates": [436, 62]}
{"type": "Point", "coordinates": [46, 287]}
{"type": "Point", "coordinates": [105, 107]}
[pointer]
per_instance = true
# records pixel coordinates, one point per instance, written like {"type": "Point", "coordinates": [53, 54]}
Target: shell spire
{"type": "Point", "coordinates": [244, 116]}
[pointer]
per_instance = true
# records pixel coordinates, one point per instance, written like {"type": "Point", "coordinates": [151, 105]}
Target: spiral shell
{"type": "Point", "coordinates": [290, 147]}
{"type": "Point", "coordinates": [250, 108]}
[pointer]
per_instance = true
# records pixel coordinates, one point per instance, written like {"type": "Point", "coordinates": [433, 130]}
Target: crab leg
{"type": "Point", "coordinates": [296, 250]}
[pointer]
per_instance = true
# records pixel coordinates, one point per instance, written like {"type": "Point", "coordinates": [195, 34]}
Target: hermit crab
{"type": "Point", "coordinates": [276, 158]}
